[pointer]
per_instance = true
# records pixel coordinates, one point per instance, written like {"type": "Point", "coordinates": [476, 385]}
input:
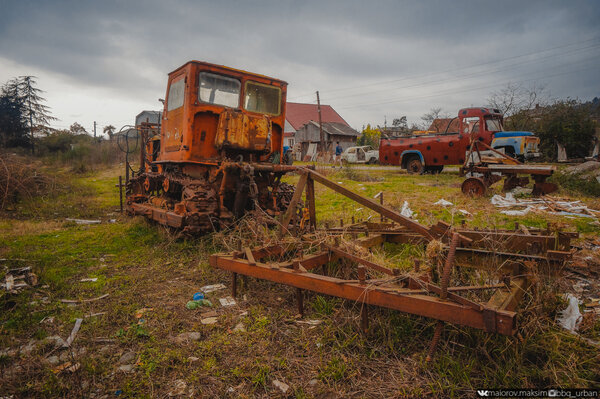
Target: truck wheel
{"type": "Point", "coordinates": [372, 161]}
{"type": "Point", "coordinates": [414, 166]}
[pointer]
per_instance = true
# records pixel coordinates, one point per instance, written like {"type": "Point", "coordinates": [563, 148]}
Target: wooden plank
{"type": "Point", "coordinates": [289, 213]}
{"type": "Point", "coordinates": [371, 241]}
{"type": "Point", "coordinates": [508, 299]}
{"type": "Point", "coordinates": [310, 199]}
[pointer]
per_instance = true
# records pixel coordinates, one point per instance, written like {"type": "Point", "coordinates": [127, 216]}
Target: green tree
{"type": "Point", "coordinates": [13, 128]}
{"type": "Point", "coordinates": [569, 123]}
{"type": "Point", "coordinates": [369, 136]}
{"type": "Point", "coordinates": [35, 113]}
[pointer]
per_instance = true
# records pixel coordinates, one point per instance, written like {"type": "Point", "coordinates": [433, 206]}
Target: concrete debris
{"type": "Point", "coordinates": [283, 387]}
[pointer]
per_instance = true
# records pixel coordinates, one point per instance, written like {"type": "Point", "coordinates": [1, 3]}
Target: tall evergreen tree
{"type": "Point", "coordinates": [13, 128]}
{"type": "Point", "coordinates": [36, 113]}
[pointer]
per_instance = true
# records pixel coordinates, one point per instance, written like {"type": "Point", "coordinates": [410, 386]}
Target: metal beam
{"type": "Point", "coordinates": [421, 305]}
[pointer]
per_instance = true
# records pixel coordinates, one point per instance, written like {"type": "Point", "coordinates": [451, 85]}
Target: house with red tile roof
{"type": "Point", "coordinates": [302, 120]}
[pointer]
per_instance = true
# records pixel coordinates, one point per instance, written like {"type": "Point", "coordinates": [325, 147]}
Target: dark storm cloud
{"type": "Point", "coordinates": [130, 46]}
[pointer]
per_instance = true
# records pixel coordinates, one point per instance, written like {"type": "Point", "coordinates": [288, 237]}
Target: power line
{"type": "Point", "coordinates": [468, 76]}
{"type": "Point", "coordinates": [455, 91]}
{"type": "Point", "coordinates": [450, 70]}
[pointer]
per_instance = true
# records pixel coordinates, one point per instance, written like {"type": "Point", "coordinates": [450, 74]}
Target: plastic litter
{"type": "Point", "coordinates": [443, 202]}
{"type": "Point", "coordinates": [83, 221]}
{"type": "Point", "coordinates": [570, 317]}
{"type": "Point", "coordinates": [213, 287]}
{"type": "Point", "coordinates": [191, 305]}
{"type": "Point", "coordinates": [227, 301]}
{"type": "Point", "coordinates": [197, 296]}
{"type": "Point", "coordinates": [406, 211]}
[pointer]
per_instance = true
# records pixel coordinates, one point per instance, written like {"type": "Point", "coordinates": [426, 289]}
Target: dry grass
{"type": "Point", "coordinates": [21, 179]}
{"type": "Point", "coordinates": [141, 265]}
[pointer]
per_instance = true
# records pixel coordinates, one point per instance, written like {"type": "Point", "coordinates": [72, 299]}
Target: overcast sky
{"type": "Point", "coordinates": [106, 61]}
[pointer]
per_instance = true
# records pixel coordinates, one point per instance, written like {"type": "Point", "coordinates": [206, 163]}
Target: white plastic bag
{"type": "Point", "coordinates": [570, 317]}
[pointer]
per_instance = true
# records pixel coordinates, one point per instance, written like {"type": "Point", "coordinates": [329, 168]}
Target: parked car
{"type": "Point", "coordinates": [362, 154]}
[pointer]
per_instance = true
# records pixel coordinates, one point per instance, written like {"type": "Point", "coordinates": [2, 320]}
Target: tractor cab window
{"type": "Point", "coordinates": [262, 98]}
{"type": "Point", "coordinates": [175, 98]}
{"type": "Point", "coordinates": [493, 125]}
{"type": "Point", "coordinates": [219, 90]}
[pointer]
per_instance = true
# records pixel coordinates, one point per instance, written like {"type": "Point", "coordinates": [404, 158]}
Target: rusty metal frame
{"type": "Point", "coordinates": [411, 295]}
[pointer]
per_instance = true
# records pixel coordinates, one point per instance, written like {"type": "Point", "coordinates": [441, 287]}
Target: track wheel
{"type": "Point", "coordinates": [414, 166]}
{"type": "Point", "coordinates": [474, 187]}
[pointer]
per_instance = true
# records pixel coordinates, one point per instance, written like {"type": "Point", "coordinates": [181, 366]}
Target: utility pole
{"type": "Point", "coordinates": [321, 137]}
{"type": "Point", "coordinates": [94, 129]}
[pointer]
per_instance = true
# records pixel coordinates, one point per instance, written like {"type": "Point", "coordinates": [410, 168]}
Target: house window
{"type": "Point", "coordinates": [291, 142]}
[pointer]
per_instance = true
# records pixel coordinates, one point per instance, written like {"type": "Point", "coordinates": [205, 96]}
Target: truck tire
{"type": "Point", "coordinates": [372, 161]}
{"type": "Point", "coordinates": [414, 166]}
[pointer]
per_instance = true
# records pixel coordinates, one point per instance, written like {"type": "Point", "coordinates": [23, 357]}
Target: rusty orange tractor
{"type": "Point", "coordinates": [219, 151]}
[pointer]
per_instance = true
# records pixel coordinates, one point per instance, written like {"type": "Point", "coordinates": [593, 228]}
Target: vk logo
{"type": "Point", "coordinates": [482, 393]}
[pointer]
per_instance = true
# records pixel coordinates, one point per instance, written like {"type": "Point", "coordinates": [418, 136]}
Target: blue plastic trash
{"type": "Point", "coordinates": [197, 296]}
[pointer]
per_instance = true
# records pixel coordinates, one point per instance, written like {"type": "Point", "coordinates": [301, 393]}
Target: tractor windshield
{"type": "Point", "coordinates": [262, 98]}
{"type": "Point", "coordinates": [493, 125]}
{"type": "Point", "coordinates": [220, 90]}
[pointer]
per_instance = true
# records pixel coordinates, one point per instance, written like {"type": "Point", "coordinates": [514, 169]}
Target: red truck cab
{"type": "Point", "coordinates": [430, 152]}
